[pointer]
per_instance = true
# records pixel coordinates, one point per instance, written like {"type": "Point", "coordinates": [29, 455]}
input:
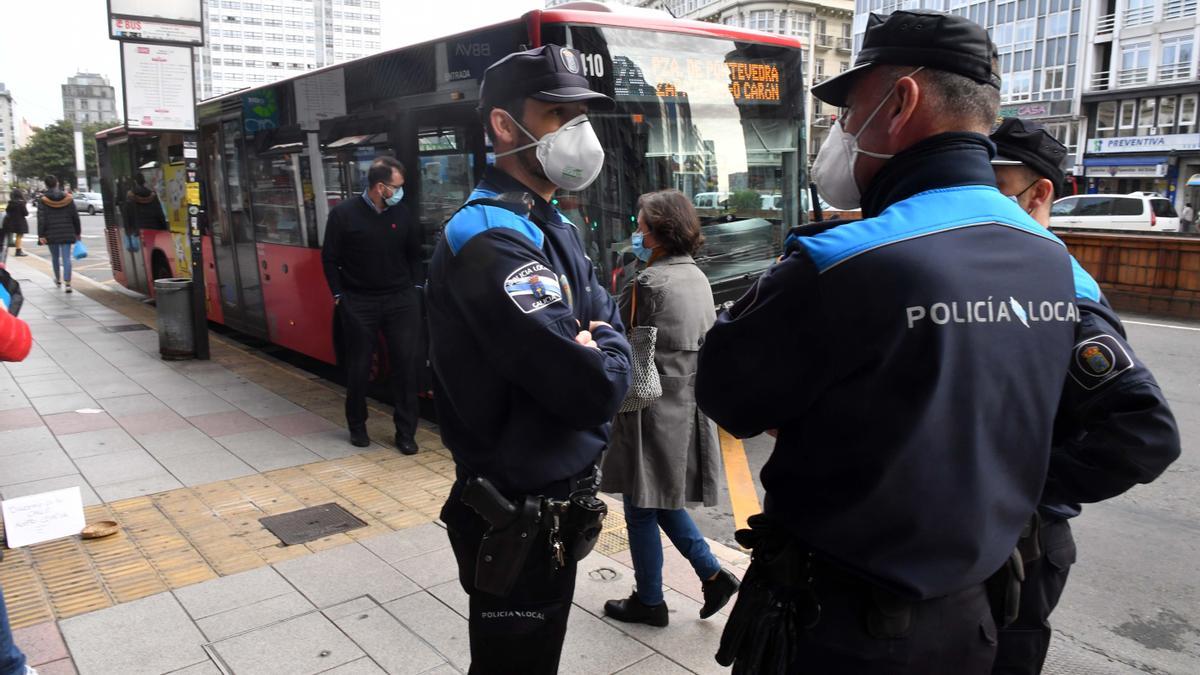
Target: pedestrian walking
{"type": "Point", "coordinates": [1114, 428]}
{"type": "Point", "coordinates": [910, 365]}
{"type": "Point", "coordinates": [668, 454]}
{"type": "Point", "coordinates": [372, 260]}
{"type": "Point", "coordinates": [58, 228]}
{"type": "Point", "coordinates": [1187, 218]}
{"type": "Point", "coordinates": [16, 222]}
{"type": "Point", "coordinates": [531, 364]}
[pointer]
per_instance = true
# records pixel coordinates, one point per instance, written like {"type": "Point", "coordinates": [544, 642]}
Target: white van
{"type": "Point", "coordinates": [1135, 211]}
{"type": "Point", "coordinates": [710, 200]}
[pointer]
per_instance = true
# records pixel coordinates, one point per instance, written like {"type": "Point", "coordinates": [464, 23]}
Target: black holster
{"type": "Point", "coordinates": [584, 522]}
{"type": "Point", "coordinates": [513, 528]}
{"type": "Point", "coordinates": [1004, 590]}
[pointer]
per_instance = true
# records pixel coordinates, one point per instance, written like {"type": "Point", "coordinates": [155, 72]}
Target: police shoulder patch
{"type": "Point", "coordinates": [533, 287]}
{"type": "Point", "coordinates": [1098, 360]}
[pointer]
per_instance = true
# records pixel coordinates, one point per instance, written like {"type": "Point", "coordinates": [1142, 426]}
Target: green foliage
{"type": "Point", "coordinates": [745, 200]}
{"type": "Point", "coordinates": [51, 151]}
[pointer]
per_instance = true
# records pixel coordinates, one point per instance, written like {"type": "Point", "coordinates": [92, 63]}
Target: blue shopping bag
{"type": "Point", "coordinates": [80, 250]}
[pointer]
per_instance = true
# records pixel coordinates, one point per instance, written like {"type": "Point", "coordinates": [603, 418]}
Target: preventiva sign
{"type": "Point", "coordinates": [1163, 143]}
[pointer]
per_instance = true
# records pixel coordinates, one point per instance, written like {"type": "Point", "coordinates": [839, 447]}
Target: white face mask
{"type": "Point", "coordinates": [571, 155]}
{"type": "Point", "coordinates": [833, 169]}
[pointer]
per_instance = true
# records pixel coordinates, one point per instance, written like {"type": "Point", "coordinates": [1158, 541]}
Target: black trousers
{"type": "Point", "coordinates": [397, 316]}
{"type": "Point", "coordinates": [522, 633]}
{"type": "Point", "coordinates": [1023, 644]}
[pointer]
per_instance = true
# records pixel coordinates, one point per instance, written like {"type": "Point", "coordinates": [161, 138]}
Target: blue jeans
{"type": "Point", "coordinates": [61, 252]}
{"type": "Point", "coordinates": [12, 661]}
{"type": "Point", "coordinates": [646, 547]}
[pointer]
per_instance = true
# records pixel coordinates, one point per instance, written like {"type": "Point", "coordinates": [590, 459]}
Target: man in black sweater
{"type": "Point", "coordinates": [372, 257]}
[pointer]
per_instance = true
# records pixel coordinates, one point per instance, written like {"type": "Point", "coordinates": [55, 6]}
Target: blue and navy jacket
{"type": "Point", "coordinates": [1114, 428]}
{"type": "Point", "coordinates": [912, 363]}
{"type": "Point", "coordinates": [518, 400]}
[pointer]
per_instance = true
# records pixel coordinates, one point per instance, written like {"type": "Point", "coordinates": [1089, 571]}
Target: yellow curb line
{"type": "Point", "coordinates": [742, 494]}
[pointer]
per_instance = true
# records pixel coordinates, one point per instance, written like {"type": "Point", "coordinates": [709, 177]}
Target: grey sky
{"type": "Point", "coordinates": [54, 40]}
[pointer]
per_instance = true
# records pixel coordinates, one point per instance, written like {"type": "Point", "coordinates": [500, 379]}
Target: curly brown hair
{"type": "Point", "coordinates": [672, 220]}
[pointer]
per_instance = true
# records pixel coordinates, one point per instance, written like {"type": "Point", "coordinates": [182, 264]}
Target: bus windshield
{"type": "Point", "coordinates": [719, 120]}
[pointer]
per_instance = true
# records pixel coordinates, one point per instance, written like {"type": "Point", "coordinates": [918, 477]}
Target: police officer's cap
{"type": "Point", "coordinates": [938, 41]}
{"type": "Point", "coordinates": [1024, 143]}
{"type": "Point", "coordinates": [549, 73]}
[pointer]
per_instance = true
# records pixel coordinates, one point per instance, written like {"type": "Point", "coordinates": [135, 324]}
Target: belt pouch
{"type": "Point", "coordinates": [585, 520]}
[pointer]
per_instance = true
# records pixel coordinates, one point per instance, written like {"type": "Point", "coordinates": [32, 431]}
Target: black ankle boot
{"type": "Point", "coordinates": [717, 592]}
{"type": "Point", "coordinates": [633, 610]}
{"type": "Point", "coordinates": [359, 438]}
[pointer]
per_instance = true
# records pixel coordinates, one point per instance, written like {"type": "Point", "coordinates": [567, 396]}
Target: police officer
{"type": "Point", "coordinates": [1113, 430]}
{"type": "Point", "coordinates": [530, 361]}
{"type": "Point", "coordinates": [910, 365]}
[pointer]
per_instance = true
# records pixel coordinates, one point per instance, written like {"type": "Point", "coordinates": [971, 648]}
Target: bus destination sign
{"type": "Point", "coordinates": [753, 82]}
{"type": "Point", "coordinates": [749, 82]}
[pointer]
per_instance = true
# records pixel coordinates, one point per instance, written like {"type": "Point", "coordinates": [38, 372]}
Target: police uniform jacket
{"type": "Point", "coordinates": [912, 363]}
{"type": "Point", "coordinates": [518, 400]}
{"type": "Point", "coordinates": [668, 454]}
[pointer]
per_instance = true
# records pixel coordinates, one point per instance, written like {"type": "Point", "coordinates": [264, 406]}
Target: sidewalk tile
{"type": "Point", "coordinates": [73, 423]}
{"type": "Point", "coordinates": [119, 466]}
{"type": "Point", "coordinates": [690, 641]}
{"type": "Point", "coordinates": [138, 487]}
{"type": "Point", "coordinates": [599, 578]}
{"type": "Point", "coordinates": [437, 624]}
{"type": "Point", "coordinates": [299, 424]}
{"type": "Point", "coordinates": [176, 442]}
{"type": "Point", "coordinates": [388, 642]}
{"type": "Point", "coordinates": [267, 450]}
{"type": "Point", "coordinates": [343, 573]}
{"type": "Point", "coordinates": [60, 403]}
{"type": "Point", "coordinates": [205, 668]}
{"type": "Point", "coordinates": [358, 605]}
{"type": "Point", "coordinates": [60, 667]}
{"type": "Point", "coordinates": [41, 643]}
{"type": "Point", "coordinates": [270, 406]}
{"type": "Point", "coordinates": [120, 406]}
{"type": "Point", "coordinates": [226, 423]}
{"type": "Point", "coordinates": [365, 666]}
{"type": "Point", "coordinates": [37, 465]}
{"type": "Point", "coordinates": [430, 569]}
{"type": "Point", "coordinates": [104, 441]}
{"type": "Point", "coordinates": [594, 648]}
{"type": "Point", "coordinates": [452, 595]}
{"type": "Point", "coordinates": [197, 404]}
{"type": "Point", "coordinates": [199, 468]}
{"type": "Point", "coordinates": [11, 400]}
{"type": "Point", "coordinates": [231, 592]}
{"type": "Point", "coordinates": [152, 422]}
{"type": "Point", "coordinates": [257, 615]}
{"type": "Point", "coordinates": [409, 543]}
{"type": "Point", "coordinates": [51, 386]}
{"type": "Point", "coordinates": [151, 635]}
{"type": "Point", "coordinates": [332, 444]}
{"type": "Point", "coordinates": [110, 388]}
{"type": "Point", "coordinates": [19, 418]}
{"type": "Point", "coordinates": [656, 664]}
{"type": "Point", "coordinates": [90, 498]}
{"type": "Point", "coordinates": [306, 644]}
{"type": "Point", "coordinates": [29, 439]}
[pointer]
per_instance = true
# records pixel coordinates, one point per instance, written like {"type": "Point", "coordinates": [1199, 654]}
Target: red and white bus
{"type": "Point", "coordinates": [701, 107]}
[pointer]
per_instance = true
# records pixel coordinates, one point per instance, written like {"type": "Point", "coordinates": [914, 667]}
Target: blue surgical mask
{"type": "Point", "coordinates": [639, 250]}
{"type": "Point", "coordinates": [396, 197]}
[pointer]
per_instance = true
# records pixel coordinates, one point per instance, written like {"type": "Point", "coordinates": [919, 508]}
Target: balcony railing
{"type": "Point", "coordinates": [1132, 77]}
{"type": "Point", "coordinates": [1178, 9]}
{"type": "Point", "coordinates": [1100, 81]}
{"type": "Point", "coordinates": [1137, 16]}
{"type": "Point", "coordinates": [845, 44]}
{"type": "Point", "coordinates": [1173, 72]}
{"type": "Point", "coordinates": [1105, 24]}
{"type": "Point", "coordinates": [824, 40]}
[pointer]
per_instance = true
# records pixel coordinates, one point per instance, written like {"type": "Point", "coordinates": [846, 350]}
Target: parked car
{"type": "Point", "coordinates": [710, 200]}
{"type": "Point", "coordinates": [1135, 211]}
{"type": "Point", "coordinates": [91, 202]}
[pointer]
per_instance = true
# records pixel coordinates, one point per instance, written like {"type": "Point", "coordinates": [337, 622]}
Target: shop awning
{"type": "Point", "coordinates": [1124, 161]}
{"type": "Point", "coordinates": [1194, 181]}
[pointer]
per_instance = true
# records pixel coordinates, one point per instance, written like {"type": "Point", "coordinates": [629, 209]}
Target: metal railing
{"type": "Point", "coordinates": [1172, 72]}
{"type": "Point", "coordinates": [845, 44]}
{"type": "Point", "coordinates": [824, 40]}
{"type": "Point", "coordinates": [1100, 81]}
{"type": "Point", "coordinates": [1133, 76]}
{"type": "Point", "coordinates": [1178, 9]}
{"type": "Point", "coordinates": [1137, 16]}
{"type": "Point", "coordinates": [1106, 23]}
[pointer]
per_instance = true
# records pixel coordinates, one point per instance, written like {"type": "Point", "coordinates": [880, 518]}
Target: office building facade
{"type": "Point", "coordinates": [8, 139]}
{"type": "Point", "coordinates": [88, 98]}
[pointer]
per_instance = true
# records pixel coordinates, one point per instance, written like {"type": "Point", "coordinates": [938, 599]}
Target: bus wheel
{"type": "Point", "coordinates": [159, 267]}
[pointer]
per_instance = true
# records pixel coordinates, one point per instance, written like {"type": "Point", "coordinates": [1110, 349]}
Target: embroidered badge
{"type": "Point", "coordinates": [533, 286]}
{"type": "Point", "coordinates": [1098, 360]}
{"type": "Point", "coordinates": [570, 61]}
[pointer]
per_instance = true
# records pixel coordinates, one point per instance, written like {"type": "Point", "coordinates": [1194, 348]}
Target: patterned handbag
{"type": "Point", "coordinates": [645, 387]}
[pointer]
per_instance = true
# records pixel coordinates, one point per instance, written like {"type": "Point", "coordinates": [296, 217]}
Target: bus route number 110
{"type": "Point", "coordinates": [593, 64]}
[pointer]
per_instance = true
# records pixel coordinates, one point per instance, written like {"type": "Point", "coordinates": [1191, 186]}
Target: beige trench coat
{"type": "Point", "coordinates": [668, 454]}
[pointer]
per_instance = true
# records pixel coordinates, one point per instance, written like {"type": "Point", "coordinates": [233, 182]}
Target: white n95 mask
{"type": "Point", "coordinates": [571, 155]}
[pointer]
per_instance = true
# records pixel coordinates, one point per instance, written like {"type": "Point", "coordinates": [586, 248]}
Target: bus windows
{"type": "Point", "coordinates": [446, 169]}
{"type": "Point", "coordinates": [276, 190]}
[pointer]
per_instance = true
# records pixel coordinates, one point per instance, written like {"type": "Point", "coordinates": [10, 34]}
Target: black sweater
{"type": "Point", "coordinates": [368, 252]}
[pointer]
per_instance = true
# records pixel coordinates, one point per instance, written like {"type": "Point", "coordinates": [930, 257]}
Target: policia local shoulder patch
{"type": "Point", "coordinates": [533, 286]}
{"type": "Point", "coordinates": [1098, 360]}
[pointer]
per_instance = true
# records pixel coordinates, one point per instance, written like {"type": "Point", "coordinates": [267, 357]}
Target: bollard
{"type": "Point", "coordinates": [174, 302]}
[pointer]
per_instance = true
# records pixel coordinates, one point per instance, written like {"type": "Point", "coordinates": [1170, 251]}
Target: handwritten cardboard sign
{"type": "Point", "coordinates": [42, 517]}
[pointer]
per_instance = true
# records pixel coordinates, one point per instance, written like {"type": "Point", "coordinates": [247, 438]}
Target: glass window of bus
{"type": "Point", "coordinates": [719, 120]}
{"type": "Point", "coordinates": [446, 167]}
{"type": "Point", "coordinates": [275, 192]}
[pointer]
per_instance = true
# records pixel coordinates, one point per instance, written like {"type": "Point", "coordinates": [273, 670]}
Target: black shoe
{"type": "Point", "coordinates": [406, 446]}
{"type": "Point", "coordinates": [359, 438]}
{"type": "Point", "coordinates": [632, 610]}
{"type": "Point", "coordinates": [20, 253]}
{"type": "Point", "coordinates": [717, 592]}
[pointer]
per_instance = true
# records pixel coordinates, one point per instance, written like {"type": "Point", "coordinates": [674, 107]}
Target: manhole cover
{"type": "Point", "coordinates": [126, 328]}
{"type": "Point", "coordinates": [297, 527]}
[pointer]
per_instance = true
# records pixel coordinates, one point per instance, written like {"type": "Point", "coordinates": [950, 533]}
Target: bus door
{"type": "Point", "coordinates": [450, 158]}
{"type": "Point", "coordinates": [234, 251]}
{"type": "Point", "coordinates": [116, 177]}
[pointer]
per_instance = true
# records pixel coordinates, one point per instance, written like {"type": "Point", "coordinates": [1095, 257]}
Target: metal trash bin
{"type": "Point", "coordinates": [173, 298]}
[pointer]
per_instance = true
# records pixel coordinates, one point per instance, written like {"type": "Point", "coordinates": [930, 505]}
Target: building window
{"type": "Point", "coordinates": [1128, 108]}
{"type": "Point", "coordinates": [1176, 62]}
{"type": "Point", "coordinates": [1106, 118]}
{"type": "Point", "coordinates": [1058, 24]}
{"type": "Point", "coordinates": [1135, 64]}
{"type": "Point", "coordinates": [1177, 9]}
{"type": "Point", "coordinates": [1166, 115]}
{"type": "Point", "coordinates": [1054, 79]}
{"type": "Point", "coordinates": [1019, 86]}
{"type": "Point", "coordinates": [1187, 114]}
{"type": "Point", "coordinates": [762, 19]}
{"type": "Point", "coordinates": [1146, 116]}
{"type": "Point", "coordinates": [1138, 12]}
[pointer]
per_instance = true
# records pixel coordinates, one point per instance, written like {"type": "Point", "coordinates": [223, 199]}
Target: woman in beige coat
{"type": "Point", "coordinates": [666, 455]}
